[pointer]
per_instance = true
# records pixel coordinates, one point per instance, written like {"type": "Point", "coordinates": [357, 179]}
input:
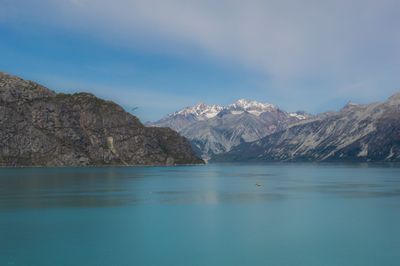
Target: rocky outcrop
{"type": "Point", "coordinates": [356, 133]}
{"type": "Point", "coordinates": [42, 128]}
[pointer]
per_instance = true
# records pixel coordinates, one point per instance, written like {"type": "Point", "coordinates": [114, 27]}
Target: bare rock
{"type": "Point", "coordinates": [42, 128]}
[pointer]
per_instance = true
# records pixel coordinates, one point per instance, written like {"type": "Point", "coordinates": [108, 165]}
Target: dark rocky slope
{"type": "Point", "coordinates": [39, 127]}
{"type": "Point", "coordinates": [356, 133]}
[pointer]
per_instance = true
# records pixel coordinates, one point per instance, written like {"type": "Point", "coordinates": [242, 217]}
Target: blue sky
{"type": "Point", "coordinates": [161, 56]}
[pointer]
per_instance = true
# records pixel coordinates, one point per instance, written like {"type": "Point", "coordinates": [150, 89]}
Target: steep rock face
{"type": "Point", "coordinates": [42, 128]}
{"type": "Point", "coordinates": [214, 129]}
{"type": "Point", "coordinates": [356, 133]}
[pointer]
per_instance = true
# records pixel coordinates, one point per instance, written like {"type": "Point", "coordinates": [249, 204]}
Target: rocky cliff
{"type": "Point", "coordinates": [355, 133]}
{"type": "Point", "coordinates": [39, 127]}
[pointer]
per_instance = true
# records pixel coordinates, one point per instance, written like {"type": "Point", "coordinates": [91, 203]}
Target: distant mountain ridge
{"type": "Point", "coordinates": [357, 132]}
{"type": "Point", "coordinates": [203, 111]}
{"type": "Point", "coordinates": [215, 129]}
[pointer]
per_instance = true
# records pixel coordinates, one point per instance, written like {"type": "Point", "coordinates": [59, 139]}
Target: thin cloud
{"type": "Point", "coordinates": [338, 42]}
{"type": "Point", "coordinates": [282, 38]}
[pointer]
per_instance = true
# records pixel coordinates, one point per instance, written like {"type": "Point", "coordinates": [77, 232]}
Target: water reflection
{"type": "Point", "coordinates": [212, 184]}
{"type": "Point", "coordinates": [64, 187]}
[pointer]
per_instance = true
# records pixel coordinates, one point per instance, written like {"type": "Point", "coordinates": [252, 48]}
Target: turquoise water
{"type": "Point", "coordinates": [298, 214]}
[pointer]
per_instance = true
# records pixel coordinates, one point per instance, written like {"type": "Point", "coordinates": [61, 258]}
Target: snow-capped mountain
{"type": "Point", "coordinates": [215, 129]}
{"type": "Point", "coordinates": [252, 107]}
{"type": "Point", "coordinates": [363, 133]}
{"type": "Point", "coordinates": [187, 116]}
{"type": "Point", "coordinates": [201, 111]}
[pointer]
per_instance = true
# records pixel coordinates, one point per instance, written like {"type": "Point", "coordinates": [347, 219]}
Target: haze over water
{"type": "Point", "coordinates": [218, 214]}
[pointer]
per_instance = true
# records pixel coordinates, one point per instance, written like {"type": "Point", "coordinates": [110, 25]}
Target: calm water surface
{"type": "Point", "coordinates": [298, 214]}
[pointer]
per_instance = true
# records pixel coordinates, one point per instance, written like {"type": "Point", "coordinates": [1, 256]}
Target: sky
{"type": "Point", "coordinates": [161, 55]}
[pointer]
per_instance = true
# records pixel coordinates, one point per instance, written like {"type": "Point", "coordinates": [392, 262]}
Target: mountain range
{"type": "Point", "coordinates": [252, 131]}
{"type": "Point", "coordinates": [39, 127]}
{"type": "Point", "coordinates": [357, 132]}
{"type": "Point", "coordinates": [216, 129]}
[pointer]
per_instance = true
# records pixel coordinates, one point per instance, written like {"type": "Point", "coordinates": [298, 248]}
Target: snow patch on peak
{"type": "Point", "coordinates": [200, 110]}
{"type": "Point", "coordinates": [298, 116]}
{"type": "Point", "coordinates": [253, 107]}
{"type": "Point", "coordinates": [249, 104]}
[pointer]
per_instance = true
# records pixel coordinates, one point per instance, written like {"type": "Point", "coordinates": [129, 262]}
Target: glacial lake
{"type": "Point", "coordinates": [217, 214]}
